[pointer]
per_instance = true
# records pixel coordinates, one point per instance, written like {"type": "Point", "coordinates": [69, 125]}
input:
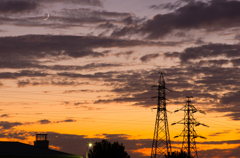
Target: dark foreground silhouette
{"type": "Point", "coordinates": [105, 149]}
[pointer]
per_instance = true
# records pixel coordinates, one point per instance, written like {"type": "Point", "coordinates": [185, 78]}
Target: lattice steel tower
{"type": "Point", "coordinates": [161, 139]}
{"type": "Point", "coordinates": [189, 134]}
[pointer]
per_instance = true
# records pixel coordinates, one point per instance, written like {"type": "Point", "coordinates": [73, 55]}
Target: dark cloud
{"type": "Point", "coordinates": [208, 51]}
{"type": "Point", "coordinates": [230, 103]}
{"type": "Point", "coordinates": [42, 82]}
{"type": "Point", "coordinates": [172, 55]}
{"type": "Point", "coordinates": [92, 66]}
{"type": "Point", "coordinates": [44, 121]}
{"type": "Point", "coordinates": [81, 17]}
{"type": "Point", "coordinates": [8, 125]}
{"type": "Point", "coordinates": [195, 15]}
{"type": "Point", "coordinates": [230, 98]}
{"type": "Point", "coordinates": [204, 82]}
{"type": "Point", "coordinates": [84, 91]}
{"type": "Point", "coordinates": [111, 14]}
{"type": "Point", "coordinates": [167, 6]}
{"type": "Point", "coordinates": [134, 86]}
{"type": "Point", "coordinates": [220, 153]}
{"type": "Point", "coordinates": [103, 19]}
{"type": "Point", "coordinates": [26, 51]}
{"type": "Point", "coordinates": [128, 53]}
{"type": "Point", "coordinates": [149, 57]}
{"type": "Point", "coordinates": [143, 102]}
{"type": "Point", "coordinates": [78, 91]}
{"type": "Point", "coordinates": [221, 142]}
{"type": "Point", "coordinates": [5, 115]}
{"type": "Point", "coordinates": [79, 103]}
{"type": "Point", "coordinates": [219, 133]}
{"type": "Point", "coordinates": [237, 37]}
{"type": "Point", "coordinates": [20, 135]}
{"type": "Point", "coordinates": [69, 120]}
{"type": "Point", "coordinates": [106, 25]}
{"type": "Point", "coordinates": [17, 6]}
{"type": "Point", "coordinates": [200, 41]}
{"type": "Point", "coordinates": [236, 62]}
{"type": "Point", "coordinates": [23, 73]}
{"type": "Point", "coordinates": [81, 2]}
{"type": "Point", "coordinates": [201, 72]}
{"type": "Point", "coordinates": [90, 108]}
{"type": "Point", "coordinates": [217, 63]}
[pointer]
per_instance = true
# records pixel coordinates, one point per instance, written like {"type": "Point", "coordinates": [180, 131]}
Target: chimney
{"type": "Point", "coordinates": [41, 141]}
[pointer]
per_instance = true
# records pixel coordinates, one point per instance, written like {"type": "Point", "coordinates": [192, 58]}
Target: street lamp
{"type": "Point", "coordinates": [89, 146]}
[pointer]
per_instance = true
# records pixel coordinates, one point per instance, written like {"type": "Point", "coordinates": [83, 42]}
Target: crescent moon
{"type": "Point", "coordinates": [47, 17]}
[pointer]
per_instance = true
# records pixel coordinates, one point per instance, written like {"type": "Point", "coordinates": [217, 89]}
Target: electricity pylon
{"type": "Point", "coordinates": [189, 134]}
{"type": "Point", "coordinates": [161, 139]}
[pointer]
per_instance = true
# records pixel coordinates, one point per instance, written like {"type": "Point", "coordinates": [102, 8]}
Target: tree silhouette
{"type": "Point", "coordinates": [105, 149]}
{"type": "Point", "coordinates": [177, 154]}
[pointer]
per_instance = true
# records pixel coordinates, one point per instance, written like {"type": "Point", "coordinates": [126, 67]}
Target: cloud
{"type": "Point", "coordinates": [46, 82]}
{"type": "Point", "coordinates": [215, 15]}
{"type": "Point", "coordinates": [19, 6]}
{"type": "Point", "coordinates": [207, 52]}
{"type": "Point", "coordinates": [220, 153]}
{"type": "Point", "coordinates": [219, 133]}
{"type": "Point", "coordinates": [66, 18]}
{"type": "Point", "coordinates": [90, 108]}
{"type": "Point", "coordinates": [67, 120]}
{"type": "Point", "coordinates": [101, 18]}
{"type": "Point", "coordinates": [106, 25]}
{"type": "Point", "coordinates": [23, 73]}
{"type": "Point", "coordinates": [139, 99]}
{"type": "Point", "coordinates": [91, 66]}
{"type": "Point", "coordinates": [200, 74]}
{"type": "Point", "coordinates": [44, 121]}
{"type": "Point", "coordinates": [86, 2]}
{"type": "Point", "coordinates": [29, 49]}
{"type": "Point", "coordinates": [126, 54]}
{"type": "Point", "coordinates": [134, 86]}
{"type": "Point", "coordinates": [167, 6]}
{"type": "Point", "coordinates": [149, 57]}
{"type": "Point", "coordinates": [80, 2]}
{"type": "Point", "coordinates": [5, 115]}
{"type": "Point", "coordinates": [84, 91]}
{"type": "Point", "coordinates": [8, 125]}
{"type": "Point", "coordinates": [230, 103]}
{"type": "Point", "coordinates": [172, 54]}
{"type": "Point", "coordinates": [235, 62]}
{"type": "Point", "coordinates": [210, 50]}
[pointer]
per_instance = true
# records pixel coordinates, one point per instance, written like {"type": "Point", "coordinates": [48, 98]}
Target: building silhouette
{"type": "Point", "coordinates": [38, 150]}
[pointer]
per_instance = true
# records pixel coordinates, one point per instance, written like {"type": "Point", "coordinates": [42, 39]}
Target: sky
{"type": "Point", "coordinates": [82, 71]}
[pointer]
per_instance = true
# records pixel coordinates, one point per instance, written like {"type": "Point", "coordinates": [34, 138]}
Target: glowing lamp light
{"type": "Point", "coordinates": [90, 144]}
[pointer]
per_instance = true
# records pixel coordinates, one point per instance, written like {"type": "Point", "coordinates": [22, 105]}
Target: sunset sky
{"type": "Point", "coordinates": [85, 73]}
